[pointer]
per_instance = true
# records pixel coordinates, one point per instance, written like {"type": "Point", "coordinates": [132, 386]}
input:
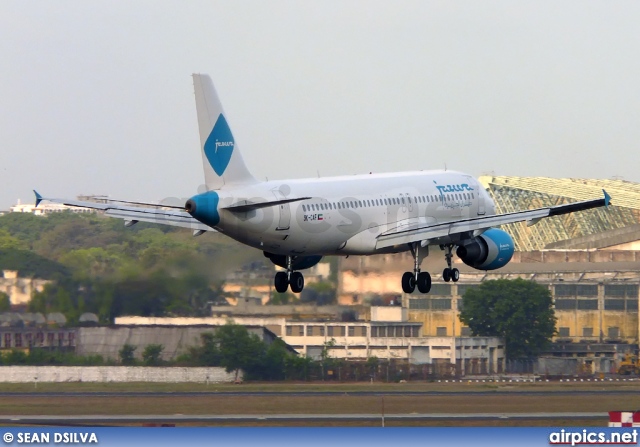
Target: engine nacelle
{"type": "Point", "coordinates": [204, 207]}
{"type": "Point", "coordinates": [491, 250]}
{"type": "Point", "coordinates": [298, 262]}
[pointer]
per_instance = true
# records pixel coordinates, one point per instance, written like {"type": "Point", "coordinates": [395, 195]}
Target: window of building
{"type": "Point", "coordinates": [565, 304]}
{"type": "Point", "coordinates": [322, 331]}
{"type": "Point", "coordinates": [441, 304]}
{"type": "Point", "coordinates": [632, 304]}
{"type": "Point", "coordinates": [374, 331]}
{"type": "Point", "coordinates": [565, 290]}
{"type": "Point", "coordinates": [309, 331]}
{"type": "Point", "coordinates": [587, 332]}
{"type": "Point", "coordinates": [419, 303]}
{"type": "Point", "coordinates": [18, 340]}
{"type": "Point", "coordinates": [563, 332]}
{"type": "Point", "coordinates": [440, 289]}
{"type": "Point", "coordinates": [415, 331]}
{"type": "Point", "coordinates": [7, 340]}
{"type": "Point", "coordinates": [613, 332]}
{"type": "Point", "coordinates": [587, 304]}
{"type": "Point", "coordinates": [352, 331]}
{"type": "Point", "coordinates": [441, 331]}
{"type": "Point", "coordinates": [330, 331]}
{"type": "Point", "coordinates": [587, 290]}
{"type": "Point", "coordinates": [621, 291]}
{"type": "Point", "coordinates": [613, 304]}
{"type": "Point", "coordinates": [288, 330]}
{"type": "Point", "coordinates": [301, 331]}
{"type": "Point", "coordinates": [465, 331]}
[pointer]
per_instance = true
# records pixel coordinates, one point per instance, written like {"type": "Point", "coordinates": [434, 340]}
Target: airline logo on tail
{"type": "Point", "coordinates": [219, 146]}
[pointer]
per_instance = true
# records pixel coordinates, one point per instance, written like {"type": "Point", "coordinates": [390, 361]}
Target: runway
{"type": "Point", "coordinates": [314, 393]}
{"type": "Point", "coordinates": [206, 418]}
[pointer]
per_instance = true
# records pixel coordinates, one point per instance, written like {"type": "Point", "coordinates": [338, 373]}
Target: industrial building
{"type": "Point", "coordinates": [614, 227]}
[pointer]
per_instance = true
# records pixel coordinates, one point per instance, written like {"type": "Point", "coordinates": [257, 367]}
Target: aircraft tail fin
{"type": "Point", "coordinates": [223, 163]}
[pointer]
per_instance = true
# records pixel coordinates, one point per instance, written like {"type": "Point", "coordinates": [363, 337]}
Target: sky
{"type": "Point", "coordinates": [96, 97]}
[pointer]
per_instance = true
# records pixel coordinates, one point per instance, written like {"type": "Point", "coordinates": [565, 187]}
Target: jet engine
{"type": "Point", "coordinates": [491, 250]}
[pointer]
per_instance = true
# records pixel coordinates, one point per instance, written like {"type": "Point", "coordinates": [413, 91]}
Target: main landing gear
{"type": "Point", "coordinates": [422, 280]}
{"type": "Point", "coordinates": [289, 278]}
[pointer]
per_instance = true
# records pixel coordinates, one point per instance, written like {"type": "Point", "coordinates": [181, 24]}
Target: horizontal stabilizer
{"type": "Point", "coordinates": [152, 213]}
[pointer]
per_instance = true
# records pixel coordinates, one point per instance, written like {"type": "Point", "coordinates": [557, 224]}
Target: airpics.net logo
{"type": "Point", "coordinates": [219, 146]}
{"type": "Point", "coordinates": [592, 437]}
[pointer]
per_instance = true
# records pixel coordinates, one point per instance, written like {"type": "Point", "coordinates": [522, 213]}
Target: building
{"type": "Point", "coordinates": [20, 290]}
{"type": "Point", "coordinates": [388, 335]}
{"type": "Point", "coordinates": [614, 227]}
{"type": "Point", "coordinates": [45, 208]}
{"type": "Point", "coordinates": [595, 293]}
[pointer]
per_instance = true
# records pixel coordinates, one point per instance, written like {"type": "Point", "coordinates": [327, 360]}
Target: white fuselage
{"type": "Point", "coordinates": [345, 215]}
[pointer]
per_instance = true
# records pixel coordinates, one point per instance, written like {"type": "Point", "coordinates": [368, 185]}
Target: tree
{"type": "Point", "coordinates": [240, 350]}
{"type": "Point", "coordinates": [126, 354]}
{"type": "Point", "coordinates": [151, 356]}
{"type": "Point", "coordinates": [519, 310]}
{"type": "Point", "coordinates": [5, 302]}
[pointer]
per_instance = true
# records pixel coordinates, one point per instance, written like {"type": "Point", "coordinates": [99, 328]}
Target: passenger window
{"type": "Point", "coordinates": [304, 209]}
{"type": "Point", "coordinates": [402, 199]}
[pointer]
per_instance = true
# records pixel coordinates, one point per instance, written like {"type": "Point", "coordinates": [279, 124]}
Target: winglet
{"type": "Point", "coordinates": [607, 198]}
{"type": "Point", "coordinates": [38, 197]}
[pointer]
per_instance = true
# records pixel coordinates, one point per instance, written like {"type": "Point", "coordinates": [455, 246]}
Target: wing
{"type": "Point", "coordinates": [145, 212]}
{"type": "Point", "coordinates": [480, 223]}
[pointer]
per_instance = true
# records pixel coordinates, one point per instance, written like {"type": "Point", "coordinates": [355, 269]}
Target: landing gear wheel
{"type": "Point", "coordinates": [446, 274]}
{"type": "Point", "coordinates": [281, 282]}
{"type": "Point", "coordinates": [297, 282]}
{"type": "Point", "coordinates": [424, 282]}
{"type": "Point", "coordinates": [455, 275]}
{"type": "Point", "coordinates": [408, 282]}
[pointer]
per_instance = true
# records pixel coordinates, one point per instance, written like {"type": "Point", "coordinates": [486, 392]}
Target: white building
{"type": "Point", "coordinates": [20, 290]}
{"type": "Point", "coordinates": [388, 336]}
{"type": "Point", "coordinates": [45, 208]}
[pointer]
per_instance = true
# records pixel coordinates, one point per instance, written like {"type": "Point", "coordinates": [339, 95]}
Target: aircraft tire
{"type": "Point", "coordinates": [297, 282]}
{"type": "Point", "coordinates": [408, 282]}
{"type": "Point", "coordinates": [446, 274]}
{"type": "Point", "coordinates": [424, 282]}
{"type": "Point", "coordinates": [281, 283]}
{"type": "Point", "coordinates": [455, 275]}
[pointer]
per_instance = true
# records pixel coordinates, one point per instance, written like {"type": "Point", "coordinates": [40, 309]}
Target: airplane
{"type": "Point", "coordinates": [297, 222]}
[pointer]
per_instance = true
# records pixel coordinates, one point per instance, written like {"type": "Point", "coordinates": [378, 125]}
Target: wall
{"type": "Point", "coordinates": [30, 374]}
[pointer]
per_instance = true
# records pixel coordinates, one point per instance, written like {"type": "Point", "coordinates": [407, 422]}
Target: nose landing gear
{"type": "Point", "coordinates": [449, 274]}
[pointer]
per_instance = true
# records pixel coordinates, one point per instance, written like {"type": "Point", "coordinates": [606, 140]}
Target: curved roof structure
{"type": "Point", "coordinates": [521, 193]}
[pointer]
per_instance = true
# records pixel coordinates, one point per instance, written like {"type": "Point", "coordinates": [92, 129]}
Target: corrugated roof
{"type": "Point", "coordinates": [520, 193]}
